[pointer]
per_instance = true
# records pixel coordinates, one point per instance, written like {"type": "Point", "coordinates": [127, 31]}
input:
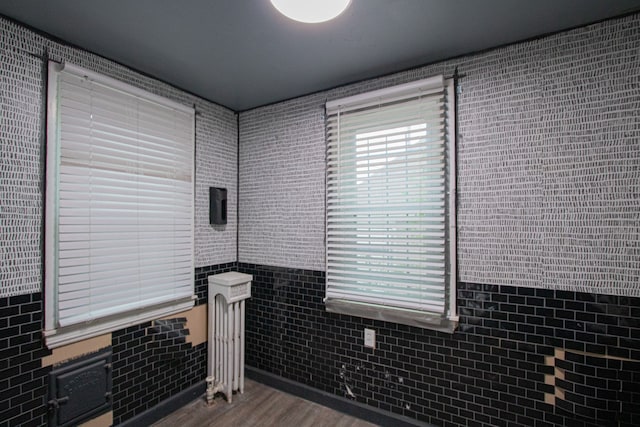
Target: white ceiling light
{"type": "Point", "coordinates": [311, 11]}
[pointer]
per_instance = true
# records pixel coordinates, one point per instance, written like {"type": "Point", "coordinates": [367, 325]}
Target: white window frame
{"type": "Point", "coordinates": [171, 295]}
{"type": "Point", "coordinates": [347, 295]}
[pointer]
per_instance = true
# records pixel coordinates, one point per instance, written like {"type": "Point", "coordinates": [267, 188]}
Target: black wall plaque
{"type": "Point", "coordinates": [217, 206]}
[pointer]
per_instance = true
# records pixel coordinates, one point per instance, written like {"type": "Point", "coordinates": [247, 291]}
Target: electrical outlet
{"type": "Point", "coordinates": [369, 338]}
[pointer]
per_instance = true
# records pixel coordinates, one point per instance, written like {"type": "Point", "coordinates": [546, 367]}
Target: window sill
{"type": "Point", "coordinates": [393, 315]}
{"type": "Point", "coordinates": [70, 334]}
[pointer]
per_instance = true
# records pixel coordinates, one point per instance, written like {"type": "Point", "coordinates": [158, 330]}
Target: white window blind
{"type": "Point", "coordinates": [119, 213]}
{"type": "Point", "coordinates": [390, 223]}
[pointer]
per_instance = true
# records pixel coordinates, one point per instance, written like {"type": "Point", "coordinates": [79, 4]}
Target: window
{"type": "Point", "coordinates": [390, 205]}
{"type": "Point", "coordinates": [119, 206]}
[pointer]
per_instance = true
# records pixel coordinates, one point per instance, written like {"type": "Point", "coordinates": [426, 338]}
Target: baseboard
{"type": "Point", "coordinates": [340, 404]}
{"type": "Point", "coordinates": [167, 406]}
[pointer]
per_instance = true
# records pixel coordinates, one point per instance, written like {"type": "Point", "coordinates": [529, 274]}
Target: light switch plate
{"type": "Point", "coordinates": [369, 338]}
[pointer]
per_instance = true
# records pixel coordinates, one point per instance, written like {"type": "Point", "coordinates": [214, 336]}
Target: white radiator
{"type": "Point", "coordinates": [227, 292]}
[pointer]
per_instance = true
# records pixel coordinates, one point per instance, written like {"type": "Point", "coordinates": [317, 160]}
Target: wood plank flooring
{"type": "Point", "coordinates": [259, 406]}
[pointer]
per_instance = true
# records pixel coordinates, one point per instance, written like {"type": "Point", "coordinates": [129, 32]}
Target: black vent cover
{"type": "Point", "coordinates": [80, 389]}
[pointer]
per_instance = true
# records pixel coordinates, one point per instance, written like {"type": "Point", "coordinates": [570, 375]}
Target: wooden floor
{"type": "Point", "coordinates": [259, 405]}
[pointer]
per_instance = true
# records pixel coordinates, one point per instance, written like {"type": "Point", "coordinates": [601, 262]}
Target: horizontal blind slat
{"type": "Point", "coordinates": [125, 199]}
{"type": "Point", "coordinates": [385, 203]}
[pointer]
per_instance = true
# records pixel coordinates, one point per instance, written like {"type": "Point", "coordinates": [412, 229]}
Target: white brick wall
{"type": "Point", "coordinates": [21, 178]}
{"type": "Point", "coordinates": [282, 186]}
{"type": "Point", "coordinates": [548, 165]}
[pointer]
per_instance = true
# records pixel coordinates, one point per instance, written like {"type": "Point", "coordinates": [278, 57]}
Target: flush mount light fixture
{"type": "Point", "coordinates": [311, 11]}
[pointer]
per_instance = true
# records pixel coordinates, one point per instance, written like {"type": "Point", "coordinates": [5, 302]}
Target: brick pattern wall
{"type": "Point", "coordinates": [146, 373]}
{"type": "Point", "coordinates": [548, 165]}
{"type": "Point", "coordinates": [598, 388]}
{"type": "Point", "coordinates": [21, 155]}
{"type": "Point", "coordinates": [282, 156]}
{"type": "Point", "coordinates": [151, 362]}
{"type": "Point", "coordinates": [146, 370]}
{"type": "Point", "coordinates": [23, 382]}
{"type": "Point", "coordinates": [150, 366]}
{"type": "Point", "coordinates": [498, 369]}
{"type": "Point", "coordinates": [21, 160]}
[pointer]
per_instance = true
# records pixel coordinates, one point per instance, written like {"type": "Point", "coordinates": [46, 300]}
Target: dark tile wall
{"type": "Point", "coordinates": [150, 363]}
{"type": "Point", "coordinates": [600, 388]}
{"type": "Point", "coordinates": [23, 382]}
{"type": "Point", "coordinates": [145, 373]}
{"type": "Point", "coordinates": [512, 348]}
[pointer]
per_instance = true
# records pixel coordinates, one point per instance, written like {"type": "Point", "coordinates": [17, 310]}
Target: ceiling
{"type": "Point", "coordinates": [243, 53]}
